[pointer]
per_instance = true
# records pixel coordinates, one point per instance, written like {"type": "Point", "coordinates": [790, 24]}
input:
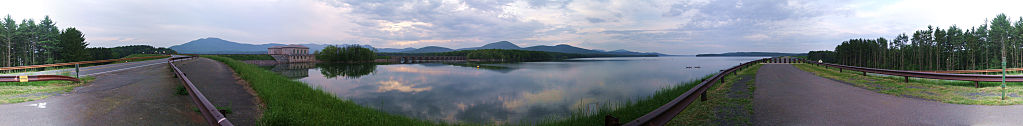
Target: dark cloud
{"type": "Point", "coordinates": [595, 20]}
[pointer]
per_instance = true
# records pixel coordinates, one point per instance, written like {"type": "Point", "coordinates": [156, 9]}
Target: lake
{"type": "Point", "coordinates": [503, 93]}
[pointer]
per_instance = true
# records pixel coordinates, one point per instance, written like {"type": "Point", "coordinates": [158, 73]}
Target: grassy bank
{"type": "Point", "coordinates": [248, 56]}
{"type": "Point", "coordinates": [290, 102]}
{"type": "Point", "coordinates": [17, 92]}
{"type": "Point", "coordinates": [713, 111]}
{"type": "Point", "coordinates": [948, 91]}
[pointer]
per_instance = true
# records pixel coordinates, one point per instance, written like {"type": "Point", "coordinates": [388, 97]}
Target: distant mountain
{"type": "Point", "coordinates": [496, 45]}
{"type": "Point", "coordinates": [562, 48]}
{"type": "Point", "coordinates": [757, 54]}
{"type": "Point", "coordinates": [627, 52]}
{"type": "Point", "coordinates": [220, 46]}
{"type": "Point", "coordinates": [429, 49]}
{"type": "Point", "coordinates": [393, 50]}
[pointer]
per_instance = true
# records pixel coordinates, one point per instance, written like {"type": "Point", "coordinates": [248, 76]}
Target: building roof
{"type": "Point", "coordinates": [290, 46]}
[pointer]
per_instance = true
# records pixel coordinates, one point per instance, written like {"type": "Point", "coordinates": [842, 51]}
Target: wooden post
{"type": "Point", "coordinates": [976, 84]}
{"type": "Point", "coordinates": [611, 121]}
{"type": "Point", "coordinates": [907, 78]}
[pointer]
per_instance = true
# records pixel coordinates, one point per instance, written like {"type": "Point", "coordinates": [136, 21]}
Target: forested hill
{"type": "Point", "coordinates": [751, 54]}
{"type": "Point", "coordinates": [936, 48]}
{"type": "Point", "coordinates": [33, 43]}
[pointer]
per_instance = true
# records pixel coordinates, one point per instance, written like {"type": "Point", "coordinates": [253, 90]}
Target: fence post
{"type": "Point", "coordinates": [907, 78]}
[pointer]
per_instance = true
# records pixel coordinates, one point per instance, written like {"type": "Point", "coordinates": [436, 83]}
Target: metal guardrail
{"type": "Point", "coordinates": [74, 63]}
{"type": "Point", "coordinates": [209, 112]}
{"type": "Point", "coordinates": [37, 78]}
{"type": "Point", "coordinates": [666, 112]}
{"type": "Point", "coordinates": [976, 78]}
{"type": "Point", "coordinates": [975, 71]}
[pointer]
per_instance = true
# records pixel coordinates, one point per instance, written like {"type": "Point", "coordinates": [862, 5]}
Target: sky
{"type": "Point", "coordinates": [665, 26]}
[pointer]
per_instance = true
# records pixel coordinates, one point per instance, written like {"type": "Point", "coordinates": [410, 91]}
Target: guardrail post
{"type": "Point", "coordinates": [611, 121]}
{"type": "Point", "coordinates": [703, 96]}
{"type": "Point", "coordinates": [976, 84]}
{"type": "Point", "coordinates": [907, 78]}
{"type": "Point", "coordinates": [839, 70]}
{"type": "Point", "coordinates": [76, 71]}
{"type": "Point", "coordinates": [864, 73]}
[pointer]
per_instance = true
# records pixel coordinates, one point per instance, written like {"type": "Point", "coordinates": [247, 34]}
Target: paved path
{"type": "Point", "coordinates": [141, 96]}
{"type": "Point", "coordinates": [219, 84]}
{"type": "Point", "coordinates": [785, 95]}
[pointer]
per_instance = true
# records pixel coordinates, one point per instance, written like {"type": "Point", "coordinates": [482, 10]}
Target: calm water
{"type": "Point", "coordinates": [503, 93]}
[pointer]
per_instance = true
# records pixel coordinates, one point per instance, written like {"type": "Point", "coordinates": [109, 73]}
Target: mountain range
{"type": "Point", "coordinates": [757, 54]}
{"type": "Point", "coordinates": [220, 46]}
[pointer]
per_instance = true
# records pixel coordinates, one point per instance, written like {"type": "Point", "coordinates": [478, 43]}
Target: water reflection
{"type": "Point", "coordinates": [291, 70]}
{"type": "Point", "coordinates": [349, 71]}
{"type": "Point", "coordinates": [507, 93]}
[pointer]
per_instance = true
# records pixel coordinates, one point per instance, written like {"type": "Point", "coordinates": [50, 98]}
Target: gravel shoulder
{"type": "Point", "coordinates": [224, 89]}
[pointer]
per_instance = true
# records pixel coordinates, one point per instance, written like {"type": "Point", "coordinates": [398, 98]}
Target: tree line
{"type": "Point", "coordinates": [934, 48]}
{"type": "Point", "coordinates": [348, 53]}
{"type": "Point", "coordinates": [32, 43]}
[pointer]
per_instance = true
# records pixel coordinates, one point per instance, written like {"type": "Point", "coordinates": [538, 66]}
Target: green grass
{"type": "Point", "coordinates": [248, 56]}
{"type": "Point", "coordinates": [289, 102]}
{"type": "Point", "coordinates": [17, 92]}
{"type": "Point", "coordinates": [705, 112]}
{"type": "Point", "coordinates": [948, 91]}
{"type": "Point", "coordinates": [142, 55]}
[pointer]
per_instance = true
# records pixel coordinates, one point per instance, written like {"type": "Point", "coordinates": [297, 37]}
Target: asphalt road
{"type": "Point", "coordinates": [125, 94]}
{"type": "Point", "coordinates": [785, 95]}
{"type": "Point", "coordinates": [100, 69]}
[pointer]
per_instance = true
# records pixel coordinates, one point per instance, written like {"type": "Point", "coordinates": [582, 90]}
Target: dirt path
{"type": "Point", "coordinates": [785, 95]}
{"type": "Point", "coordinates": [139, 96]}
{"type": "Point", "coordinates": [218, 82]}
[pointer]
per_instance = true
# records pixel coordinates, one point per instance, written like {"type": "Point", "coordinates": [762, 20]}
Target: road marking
{"type": "Point", "coordinates": [83, 69]}
{"type": "Point", "coordinates": [39, 105]}
{"type": "Point", "coordinates": [125, 68]}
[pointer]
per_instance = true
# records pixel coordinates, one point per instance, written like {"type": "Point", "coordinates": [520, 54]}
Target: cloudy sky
{"type": "Point", "coordinates": [666, 26]}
